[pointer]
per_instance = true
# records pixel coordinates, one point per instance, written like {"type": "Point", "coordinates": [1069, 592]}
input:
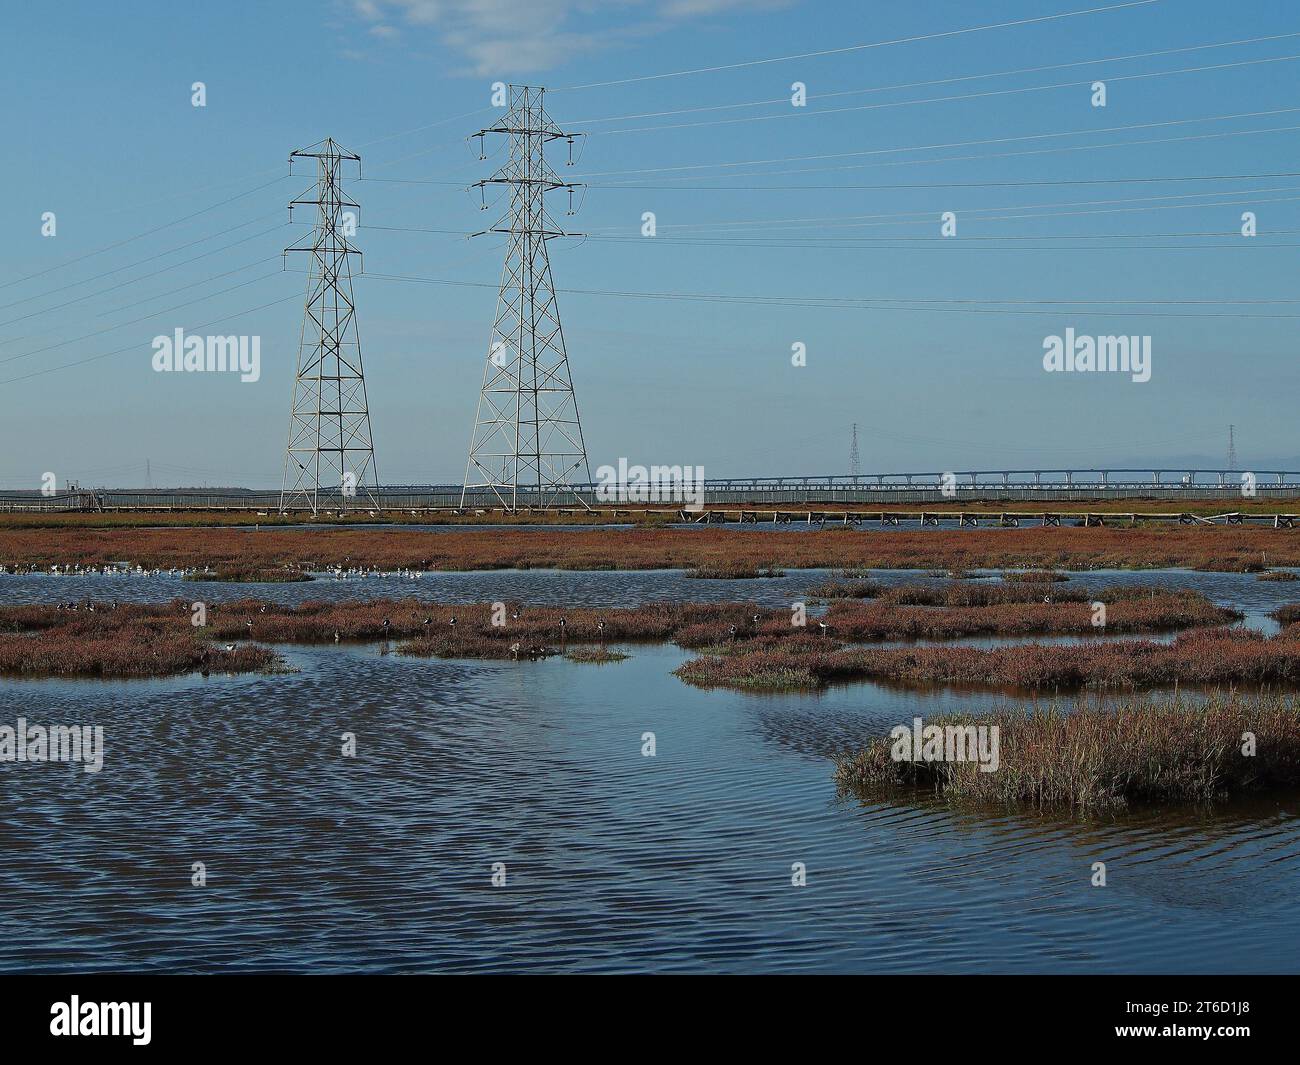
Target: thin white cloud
{"type": "Point", "coordinates": [504, 37]}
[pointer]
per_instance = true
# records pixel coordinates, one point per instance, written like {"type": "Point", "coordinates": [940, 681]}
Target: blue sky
{"type": "Point", "coordinates": [171, 216]}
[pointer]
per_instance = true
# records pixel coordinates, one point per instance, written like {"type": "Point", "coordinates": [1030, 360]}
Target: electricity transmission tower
{"type": "Point", "coordinates": [1232, 450]}
{"type": "Point", "coordinates": [855, 464]}
{"type": "Point", "coordinates": [330, 458]}
{"type": "Point", "coordinates": [527, 447]}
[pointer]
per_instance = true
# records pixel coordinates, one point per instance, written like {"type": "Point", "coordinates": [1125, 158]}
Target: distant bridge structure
{"type": "Point", "coordinates": [953, 488]}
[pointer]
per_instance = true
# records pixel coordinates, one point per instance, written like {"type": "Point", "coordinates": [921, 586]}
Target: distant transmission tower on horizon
{"type": "Point", "coordinates": [1232, 449]}
{"type": "Point", "coordinates": [855, 463]}
{"type": "Point", "coordinates": [330, 457]}
{"type": "Point", "coordinates": [527, 447]}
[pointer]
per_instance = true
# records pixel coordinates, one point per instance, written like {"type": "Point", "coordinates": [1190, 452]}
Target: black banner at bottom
{"type": "Point", "coordinates": [139, 1014]}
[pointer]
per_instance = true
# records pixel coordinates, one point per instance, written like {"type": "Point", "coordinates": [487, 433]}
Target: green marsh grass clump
{"type": "Point", "coordinates": [1034, 576]}
{"type": "Point", "coordinates": [1169, 750]}
{"type": "Point", "coordinates": [598, 655]}
{"type": "Point", "coordinates": [733, 572]}
{"type": "Point", "coordinates": [251, 575]}
{"type": "Point", "coordinates": [855, 589]}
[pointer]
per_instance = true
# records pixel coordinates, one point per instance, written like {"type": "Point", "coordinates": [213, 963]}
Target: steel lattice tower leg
{"type": "Point", "coordinates": [527, 447]}
{"type": "Point", "coordinates": [330, 458]}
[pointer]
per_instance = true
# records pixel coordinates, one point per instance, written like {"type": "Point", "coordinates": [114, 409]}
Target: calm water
{"type": "Point", "coordinates": [597, 588]}
{"type": "Point", "coordinates": [614, 861]}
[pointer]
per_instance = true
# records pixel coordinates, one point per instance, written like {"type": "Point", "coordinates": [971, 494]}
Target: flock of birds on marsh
{"type": "Point", "coordinates": [193, 572]}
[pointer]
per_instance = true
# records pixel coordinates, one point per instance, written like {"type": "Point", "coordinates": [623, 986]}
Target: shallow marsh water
{"type": "Point", "coordinates": [614, 861]}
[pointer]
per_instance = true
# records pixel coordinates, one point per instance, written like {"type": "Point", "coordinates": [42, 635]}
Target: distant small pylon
{"type": "Point", "coordinates": [1232, 450]}
{"type": "Point", "coordinates": [855, 463]}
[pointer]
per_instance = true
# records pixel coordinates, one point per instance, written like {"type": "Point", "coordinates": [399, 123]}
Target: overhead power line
{"type": "Point", "coordinates": [845, 220]}
{"type": "Point", "coordinates": [136, 347]}
{"type": "Point", "coordinates": [950, 144]}
{"type": "Point", "coordinates": [148, 259]}
{"type": "Point", "coordinates": [989, 156]}
{"type": "Point", "coordinates": [134, 280]}
{"type": "Point", "coordinates": [134, 321]}
{"type": "Point", "coordinates": [899, 303]}
{"type": "Point", "coordinates": [945, 81]}
{"type": "Point", "coordinates": [859, 47]}
{"type": "Point", "coordinates": [914, 185]}
{"type": "Point", "coordinates": [915, 244]}
{"type": "Point", "coordinates": [1228, 241]}
{"type": "Point", "coordinates": [139, 236]}
{"type": "Point", "coordinates": [806, 113]}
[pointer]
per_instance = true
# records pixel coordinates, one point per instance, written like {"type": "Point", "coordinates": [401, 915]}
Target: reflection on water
{"type": "Point", "coordinates": [615, 861]}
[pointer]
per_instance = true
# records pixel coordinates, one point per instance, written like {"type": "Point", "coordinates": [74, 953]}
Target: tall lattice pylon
{"type": "Point", "coordinates": [330, 459]}
{"type": "Point", "coordinates": [527, 447]}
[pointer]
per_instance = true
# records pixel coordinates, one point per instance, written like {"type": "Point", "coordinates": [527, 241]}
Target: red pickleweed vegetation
{"type": "Point", "coordinates": [144, 640]}
{"type": "Point", "coordinates": [1289, 614]}
{"type": "Point", "coordinates": [1237, 548]}
{"type": "Point", "coordinates": [1199, 658]}
{"type": "Point", "coordinates": [130, 641]}
{"type": "Point", "coordinates": [1160, 611]}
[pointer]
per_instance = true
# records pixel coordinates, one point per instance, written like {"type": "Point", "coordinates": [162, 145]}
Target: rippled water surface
{"type": "Point", "coordinates": [614, 861]}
